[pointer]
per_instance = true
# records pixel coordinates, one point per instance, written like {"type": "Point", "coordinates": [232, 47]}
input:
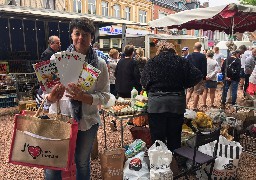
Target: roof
{"type": "Point", "coordinates": [222, 44]}
{"type": "Point", "coordinates": [54, 15]}
{"type": "Point", "coordinates": [166, 3]}
{"type": "Point", "coordinates": [167, 36]}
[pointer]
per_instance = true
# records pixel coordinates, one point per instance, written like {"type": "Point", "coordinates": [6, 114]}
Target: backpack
{"type": "Point", "coordinates": [232, 71]}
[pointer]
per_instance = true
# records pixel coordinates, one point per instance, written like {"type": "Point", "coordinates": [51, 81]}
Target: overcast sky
{"type": "Point", "coordinates": [219, 2]}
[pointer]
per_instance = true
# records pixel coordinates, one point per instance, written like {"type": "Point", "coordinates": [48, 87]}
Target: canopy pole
{"type": "Point", "coordinates": [233, 24]}
{"type": "Point", "coordinates": [231, 40]}
{"type": "Point", "coordinates": [123, 37]}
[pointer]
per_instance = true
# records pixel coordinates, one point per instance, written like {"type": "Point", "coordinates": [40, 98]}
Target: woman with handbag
{"type": "Point", "coordinates": [80, 104]}
{"type": "Point", "coordinates": [165, 78]}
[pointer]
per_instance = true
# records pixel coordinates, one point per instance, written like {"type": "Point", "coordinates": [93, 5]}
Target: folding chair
{"type": "Point", "coordinates": [198, 158]}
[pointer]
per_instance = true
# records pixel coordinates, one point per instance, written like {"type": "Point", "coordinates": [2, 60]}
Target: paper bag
{"type": "Point", "coordinates": [112, 164]}
{"type": "Point", "coordinates": [226, 162]}
{"type": "Point", "coordinates": [43, 143]}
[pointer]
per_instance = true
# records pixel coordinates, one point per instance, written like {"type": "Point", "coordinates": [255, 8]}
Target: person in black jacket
{"type": "Point", "coordinates": [165, 77]}
{"type": "Point", "coordinates": [231, 71]}
{"type": "Point", "coordinates": [200, 62]}
{"type": "Point", "coordinates": [54, 46]}
{"type": "Point", "coordinates": [127, 74]}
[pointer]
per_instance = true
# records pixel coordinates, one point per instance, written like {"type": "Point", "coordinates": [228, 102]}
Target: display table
{"type": "Point", "coordinates": [106, 112]}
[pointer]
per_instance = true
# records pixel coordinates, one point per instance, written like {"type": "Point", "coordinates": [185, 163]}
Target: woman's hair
{"type": "Point", "coordinates": [82, 23]}
{"type": "Point", "coordinates": [216, 48]}
{"type": "Point", "coordinates": [210, 53]}
{"type": "Point", "coordinates": [165, 46]}
{"type": "Point", "coordinates": [128, 50]}
{"type": "Point", "coordinates": [140, 52]}
{"type": "Point", "coordinates": [112, 52]}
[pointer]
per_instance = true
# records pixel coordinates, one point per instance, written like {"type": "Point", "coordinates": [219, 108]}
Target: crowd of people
{"type": "Point", "coordinates": [168, 78]}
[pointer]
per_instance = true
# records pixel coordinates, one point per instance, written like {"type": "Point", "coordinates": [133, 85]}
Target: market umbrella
{"type": "Point", "coordinates": [229, 18]}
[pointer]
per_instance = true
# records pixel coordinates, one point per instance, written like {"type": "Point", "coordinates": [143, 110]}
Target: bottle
{"type": "Point", "coordinates": [145, 94]}
{"type": "Point", "coordinates": [134, 93]}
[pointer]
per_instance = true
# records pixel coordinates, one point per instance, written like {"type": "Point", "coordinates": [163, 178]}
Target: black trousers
{"type": "Point", "coordinates": [113, 89]}
{"type": "Point", "coordinates": [166, 127]}
{"type": "Point", "coordinates": [246, 82]}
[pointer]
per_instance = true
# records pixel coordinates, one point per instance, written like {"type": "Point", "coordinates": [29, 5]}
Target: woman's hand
{"type": "Point", "coordinates": [75, 92]}
{"type": "Point", "coordinates": [57, 93]}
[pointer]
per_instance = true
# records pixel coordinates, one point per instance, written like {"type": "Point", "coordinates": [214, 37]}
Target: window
{"type": "Point", "coordinates": [117, 11]}
{"type": "Point", "coordinates": [142, 16]}
{"type": "Point", "coordinates": [91, 6]}
{"type": "Point", "coordinates": [184, 31]}
{"type": "Point", "coordinates": [161, 14]}
{"type": "Point", "coordinates": [115, 43]}
{"type": "Point", "coordinates": [106, 43]}
{"type": "Point", "coordinates": [127, 13]}
{"type": "Point", "coordinates": [77, 6]}
{"type": "Point", "coordinates": [104, 6]}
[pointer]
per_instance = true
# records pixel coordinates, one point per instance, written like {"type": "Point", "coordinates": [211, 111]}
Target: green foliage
{"type": "Point", "coordinates": [249, 2]}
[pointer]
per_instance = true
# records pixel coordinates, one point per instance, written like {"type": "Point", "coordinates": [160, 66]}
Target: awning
{"type": "Point", "coordinates": [53, 15]}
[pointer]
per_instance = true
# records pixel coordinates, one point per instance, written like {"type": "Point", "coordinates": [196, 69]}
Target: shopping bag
{"type": "Point", "coordinates": [43, 143]}
{"type": "Point", "coordinates": [226, 163]}
{"type": "Point", "coordinates": [136, 168]}
{"type": "Point", "coordinates": [160, 159]}
{"type": "Point", "coordinates": [112, 164]}
{"type": "Point", "coordinates": [142, 133]}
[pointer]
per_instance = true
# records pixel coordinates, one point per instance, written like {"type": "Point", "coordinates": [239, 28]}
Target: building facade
{"type": "Point", "coordinates": [131, 10]}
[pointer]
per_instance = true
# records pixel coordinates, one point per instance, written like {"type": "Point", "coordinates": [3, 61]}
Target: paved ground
{"type": "Point", "coordinates": [9, 171]}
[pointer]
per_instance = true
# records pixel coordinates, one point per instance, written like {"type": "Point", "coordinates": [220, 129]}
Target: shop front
{"type": "Point", "coordinates": [111, 37]}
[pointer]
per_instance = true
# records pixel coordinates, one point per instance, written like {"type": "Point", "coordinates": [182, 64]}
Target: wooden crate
{"type": "Point", "coordinates": [248, 143]}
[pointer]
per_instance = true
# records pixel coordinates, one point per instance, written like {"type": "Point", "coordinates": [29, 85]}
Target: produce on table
{"type": "Point", "coordinates": [202, 121]}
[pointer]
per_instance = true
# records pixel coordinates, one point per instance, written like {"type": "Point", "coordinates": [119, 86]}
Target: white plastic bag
{"type": "Point", "coordinates": [136, 168]}
{"type": "Point", "coordinates": [160, 159]}
{"type": "Point", "coordinates": [111, 101]}
{"type": "Point", "coordinates": [190, 114]}
{"type": "Point", "coordinates": [226, 162]}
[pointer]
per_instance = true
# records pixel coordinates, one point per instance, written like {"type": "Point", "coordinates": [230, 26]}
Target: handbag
{"type": "Point", "coordinates": [111, 161]}
{"type": "Point", "coordinates": [43, 143]}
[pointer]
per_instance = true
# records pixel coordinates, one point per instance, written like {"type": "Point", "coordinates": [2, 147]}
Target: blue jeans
{"type": "Point", "coordinates": [234, 85]}
{"type": "Point", "coordinates": [84, 145]}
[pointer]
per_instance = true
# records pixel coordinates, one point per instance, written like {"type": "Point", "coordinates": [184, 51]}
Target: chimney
{"type": "Point", "coordinates": [206, 4]}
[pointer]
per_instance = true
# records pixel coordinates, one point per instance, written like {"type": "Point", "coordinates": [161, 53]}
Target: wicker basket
{"type": "Point", "coordinates": [248, 143]}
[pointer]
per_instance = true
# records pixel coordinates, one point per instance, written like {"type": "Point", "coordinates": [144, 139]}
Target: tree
{"type": "Point", "coordinates": [249, 2]}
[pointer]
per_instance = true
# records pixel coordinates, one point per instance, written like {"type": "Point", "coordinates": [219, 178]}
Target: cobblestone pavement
{"type": "Point", "coordinates": [15, 172]}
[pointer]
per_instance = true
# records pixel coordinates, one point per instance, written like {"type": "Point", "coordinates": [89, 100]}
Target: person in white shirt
{"type": "Point", "coordinates": [211, 79]}
{"type": "Point", "coordinates": [252, 83]}
{"type": "Point", "coordinates": [113, 59]}
{"type": "Point", "coordinates": [248, 68]}
{"type": "Point", "coordinates": [218, 56]}
{"type": "Point", "coordinates": [81, 105]}
{"type": "Point", "coordinates": [245, 55]}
